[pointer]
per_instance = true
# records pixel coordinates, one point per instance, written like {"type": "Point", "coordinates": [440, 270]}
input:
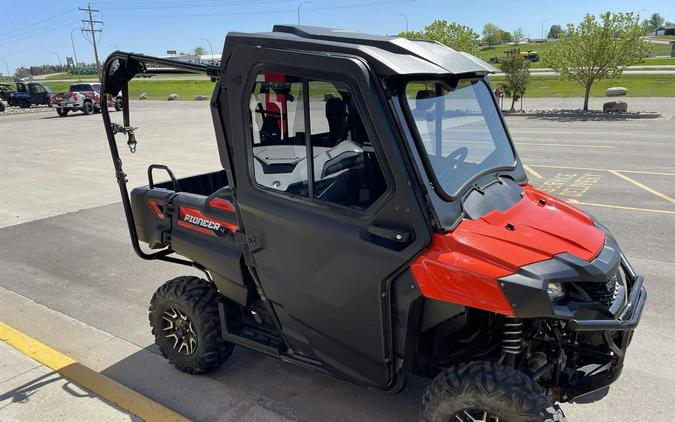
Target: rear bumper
{"type": "Point", "coordinates": [68, 106]}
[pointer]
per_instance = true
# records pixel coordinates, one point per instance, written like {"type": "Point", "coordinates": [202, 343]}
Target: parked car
{"type": "Point", "coordinates": [85, 97]}
{"type": "Point", "coordinates": [30, 93]}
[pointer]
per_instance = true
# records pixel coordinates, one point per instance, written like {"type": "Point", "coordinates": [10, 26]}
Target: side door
{"type": "Point", "coordinates": [38, 94]}
{"type": "Point", "coordinates": [325, 195]}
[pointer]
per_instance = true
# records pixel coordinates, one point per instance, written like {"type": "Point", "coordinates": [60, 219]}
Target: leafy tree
{"type": "Point", "coordinates": [199, 51]}
{"type": "Point", "coordinates": [653, 23]}
{"type": "Point", "coordinates": [596, 50]}
{"type": "Point", "coordinates": [454, 35]}
{"type": "Point", "coordinates": [518, 36]}
{"type": "Point", "coordinates": [516, 78]}
{"type": "Point", "coordinates": [491, 34]}
{"type": "Point", "coordinates": [556, 32]}
{"type": "Point", "coordinates": [506, 37]}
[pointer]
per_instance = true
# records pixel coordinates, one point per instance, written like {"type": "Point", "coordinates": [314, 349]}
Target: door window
{"type": "Point", "coordinates": [346, 171]}
{"type": "Point", "coordinates": [278, 133]}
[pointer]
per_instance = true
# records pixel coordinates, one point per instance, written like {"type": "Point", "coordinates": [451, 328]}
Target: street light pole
{"type": "Point", "coordinates": [58, 57]}
{"type": "Point", "coordinates": [542, 29]}
{"type": "Point", "coordinates": [210, 46]}
{"type": "Point", "coordinates": [72, 43]}
{"type": "Point", "coordinates": [299, 5]}
{"type": "Point", "coordinates": [406, 21]}
{"type": "Point", "coordinates": [6, 66]}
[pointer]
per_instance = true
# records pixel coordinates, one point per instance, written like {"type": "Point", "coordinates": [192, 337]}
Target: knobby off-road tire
{"type": "Point", "coordinates": [478, 387]}
{"type": "Point", "coordinates": [197, 300]}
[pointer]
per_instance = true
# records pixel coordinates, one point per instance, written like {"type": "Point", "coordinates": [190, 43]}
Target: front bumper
{"type": "Point", "coordinates": [627, 319]}
{"type": "Point", "coordinates": [594, 337]}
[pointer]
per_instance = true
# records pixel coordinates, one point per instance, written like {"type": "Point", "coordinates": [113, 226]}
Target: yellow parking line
{"type": "Point", "coordinates": [640, 185]}
{"type": "Point", "coordinates": [620, 207]}
{"type": "Point", "coordinates": [99, 384]}
{"type": "Point", "coordinates": [654, 173]}
{"type": "Point", "coordinates": [532, 171]}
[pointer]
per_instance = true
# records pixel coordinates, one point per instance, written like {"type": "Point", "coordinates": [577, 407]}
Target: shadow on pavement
{"type": "Point", "coordinates": [22, 393]}
{"type": "Point", "coordinates": [251, 386]}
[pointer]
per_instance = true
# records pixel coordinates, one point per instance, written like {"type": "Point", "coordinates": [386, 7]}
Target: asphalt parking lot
{"type": "Point", "coordinates": [69, 278]}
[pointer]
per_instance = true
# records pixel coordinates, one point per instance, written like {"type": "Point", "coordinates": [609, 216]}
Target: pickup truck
{"type": "Point", "coordinates": [30, 93]}
{"type": "Point", "coordinates": [85, 97]}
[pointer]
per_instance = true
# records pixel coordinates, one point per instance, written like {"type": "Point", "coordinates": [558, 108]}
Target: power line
{"type": "Point", "coordinates": [32, 26]}
{"type": "Point", "coordinates": [263, 12]}
{"type": "Point", "coordinates": [92, 31]}
{"type": "Point", "coordinates": [36, 32]}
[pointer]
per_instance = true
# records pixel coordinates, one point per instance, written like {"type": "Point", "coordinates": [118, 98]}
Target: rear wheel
{"type": "Point", "coordinates": [62, 112]}
{"type": "Point", "coordinates": [23, 104]}
{"type": "Point", "coordinates": [186, 324]}
{"type": "Point", "coordinates": [488, 392]}
{"type": "Point", "coordinates": [88, 108]}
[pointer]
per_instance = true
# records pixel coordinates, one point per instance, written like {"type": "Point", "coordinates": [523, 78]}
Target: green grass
{"type": "Point", "coordinates": [540, 86]}
{"type": "Point", "coordinates": [638, 86]}
{"type": "Point", "coordinates": [657, 62]}
{"type": "Point", "coordinates": [662, 49]}
{"type": "Point", "coordinates": [157, 89]}
{"type": "Point", "coordinates": [486, 53]}
{"type": "Point", "coordinates": [69, 76]}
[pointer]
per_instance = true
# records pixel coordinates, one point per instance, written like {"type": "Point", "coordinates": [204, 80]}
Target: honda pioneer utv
{"type": "Point", "coordinates": [372, 220]}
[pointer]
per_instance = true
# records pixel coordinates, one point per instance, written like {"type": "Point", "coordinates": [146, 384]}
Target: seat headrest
{"type": "Point", "coordinates": [335, 106]}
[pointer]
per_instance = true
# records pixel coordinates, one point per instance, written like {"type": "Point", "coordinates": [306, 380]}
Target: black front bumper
{"type": "Point", "coordinates": [627, 319]}
{"type": "Point", "coordinates": [616, 333]}
{"type": "Point", "coordinates": [594, 337]}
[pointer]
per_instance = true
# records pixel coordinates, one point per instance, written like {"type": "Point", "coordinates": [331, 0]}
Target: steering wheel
{"type": "Point", "coordinates": [451, 163]}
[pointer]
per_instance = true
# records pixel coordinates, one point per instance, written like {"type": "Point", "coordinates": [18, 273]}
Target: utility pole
{"type": "Point", "coordinates": [93, 32]}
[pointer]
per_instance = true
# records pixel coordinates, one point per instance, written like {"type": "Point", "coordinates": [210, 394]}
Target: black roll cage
{"type": "Point", "coordinates": [114, 80]}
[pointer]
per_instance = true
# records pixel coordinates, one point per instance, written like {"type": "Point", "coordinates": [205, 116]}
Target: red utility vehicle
{"type": "Point", "coordinates": [372, 220]}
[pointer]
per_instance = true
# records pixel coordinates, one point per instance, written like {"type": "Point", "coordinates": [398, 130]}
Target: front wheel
{"type": "Point", "coordinates": [489, 392]}
{"type": "Point", "coordinates": [186, 324]}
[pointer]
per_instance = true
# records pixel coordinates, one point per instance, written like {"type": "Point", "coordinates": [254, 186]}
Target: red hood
{"type": "Point", "coordinates": [463, 266]}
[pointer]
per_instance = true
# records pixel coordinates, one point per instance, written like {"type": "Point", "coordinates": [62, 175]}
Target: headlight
{"type": "Point", "coordinates": [555, 290]}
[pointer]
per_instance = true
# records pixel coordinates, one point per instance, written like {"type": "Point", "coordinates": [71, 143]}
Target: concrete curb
{"type": "Point", "coordinates": [583, 116]}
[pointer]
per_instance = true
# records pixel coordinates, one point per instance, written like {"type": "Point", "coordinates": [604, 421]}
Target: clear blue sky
{"type": "Point", "coordinates": [32, 31]}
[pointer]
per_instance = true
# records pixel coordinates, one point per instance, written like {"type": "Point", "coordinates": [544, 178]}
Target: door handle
{"type": "Point", "coordinates": [390, 233]}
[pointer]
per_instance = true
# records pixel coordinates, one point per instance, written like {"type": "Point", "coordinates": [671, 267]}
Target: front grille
{"type": "Point", "coordinates": [605, 293]}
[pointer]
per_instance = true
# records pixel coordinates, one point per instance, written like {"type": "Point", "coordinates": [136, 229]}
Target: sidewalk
{"type": "Point", "coordinates": [29, 391]}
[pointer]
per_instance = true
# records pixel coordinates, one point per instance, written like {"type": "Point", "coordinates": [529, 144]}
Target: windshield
{"type": "Point", "coordinates": [460, 129]}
